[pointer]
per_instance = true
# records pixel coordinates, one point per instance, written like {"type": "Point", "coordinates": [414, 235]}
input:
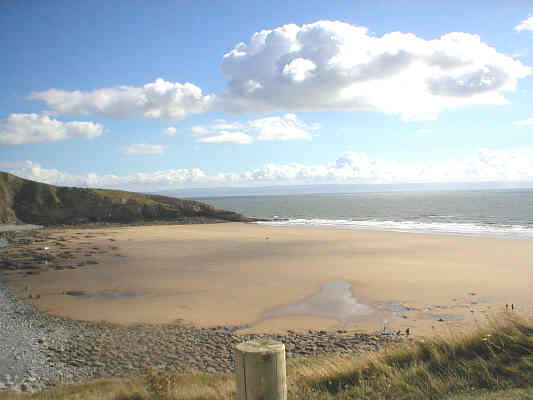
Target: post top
{"type": "Point", "coordinates": [261, 346]}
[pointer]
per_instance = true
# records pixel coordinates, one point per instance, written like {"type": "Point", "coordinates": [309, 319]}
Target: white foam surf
{"type": "Point", "coordinates": [441, 228]}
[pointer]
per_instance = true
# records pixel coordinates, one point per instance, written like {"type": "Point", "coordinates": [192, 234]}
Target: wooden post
{"type": "Point", "coordinates": [260, 370]}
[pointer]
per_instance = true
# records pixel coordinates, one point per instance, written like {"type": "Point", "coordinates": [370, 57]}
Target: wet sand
{"type": "Point", "coordinates": [258, 277]}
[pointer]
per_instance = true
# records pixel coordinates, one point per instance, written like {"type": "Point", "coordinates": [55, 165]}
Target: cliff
{"type": "Point", "coordinates": [23, 200]}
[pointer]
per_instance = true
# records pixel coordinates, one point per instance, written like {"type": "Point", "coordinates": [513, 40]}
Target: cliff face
{"type": "Point", "coordinates": [22, 200]}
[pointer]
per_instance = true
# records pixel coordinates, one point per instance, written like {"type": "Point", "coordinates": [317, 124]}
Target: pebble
{"type": "Point", "coordinates": [26, 361]}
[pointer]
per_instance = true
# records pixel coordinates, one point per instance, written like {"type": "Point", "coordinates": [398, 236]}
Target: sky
{"type": "Point", "coordinates": [162, 95]}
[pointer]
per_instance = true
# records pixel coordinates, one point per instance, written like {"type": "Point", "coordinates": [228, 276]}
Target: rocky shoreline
{"type": "Point", "coordinates": [39, 350]}
{"type": "Point", "coordinates": [26, 336]}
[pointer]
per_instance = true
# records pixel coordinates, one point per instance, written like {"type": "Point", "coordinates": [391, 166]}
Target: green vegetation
{"type": "Point", "coordinates": [22, 200]}
{"type": "Point", "coordinates": [495, 362]}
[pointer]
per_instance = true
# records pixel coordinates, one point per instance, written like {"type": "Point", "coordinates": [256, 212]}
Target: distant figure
{"type": "Point", "coordinates": [506, 307]}
{"type": "Point", "coordinates": [407, 332]}
{"type": "Point", "coordinates": [512, 306]}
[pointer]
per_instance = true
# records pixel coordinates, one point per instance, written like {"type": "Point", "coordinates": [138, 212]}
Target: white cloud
{"type": "Point", "coordinates": [286, 127]}
{"type": "Point", "coordinates": [228, 137]}
{"type": "Point", "coordinates": [222, 124]}
{"type": "Point", "coordinates": [143, 149]}
{"type": "Point", "coordinates": [525, 25]}
{"type": "Point", "coordinates": [199, 130]}
{"type": "Point", "coordinates": [30, 128]}
{"type": "Point", "coordinates": [500, 165]}
{"type": "Point", "coordinates": [528, 121]}
{"type": "Point", "coordinates": [485, 165]}
{"type": "Point", "coordinates": [170, 131]}
{"type": "Point", "coordinates": [323, 66]}
{"type": "Point", "coordinates": [506, 165]}
{"type": "Point", "coordinates": [216, 126]}
{"type": "Point", "coordinates": [334, 65]}
{"type": "Point", "coordinates": [157, 100]}
{"type": "Point", "coordinates": [138, 181]}
{"type": "Point", "coordinates": [299, 69]}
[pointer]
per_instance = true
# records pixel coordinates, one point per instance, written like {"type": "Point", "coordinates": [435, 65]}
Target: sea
{"type": "Point", "coordinates": [504, 213]}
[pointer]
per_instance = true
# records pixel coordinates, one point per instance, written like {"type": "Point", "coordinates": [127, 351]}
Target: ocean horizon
{"type": "Point", "coordinates": [489, 212]}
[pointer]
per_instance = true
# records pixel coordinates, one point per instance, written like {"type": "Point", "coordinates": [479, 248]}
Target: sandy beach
{"type": "Point", "coordinates": [267, 279]}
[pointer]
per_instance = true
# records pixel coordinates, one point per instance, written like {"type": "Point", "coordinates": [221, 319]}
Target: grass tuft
{"type": "Point", "coordinates": [163, 385]}
{"type": "Point", "coordinates": [497, 357]}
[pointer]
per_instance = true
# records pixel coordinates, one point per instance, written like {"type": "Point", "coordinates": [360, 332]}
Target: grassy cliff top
{"type": "Point", "coordinates": [23, 200]}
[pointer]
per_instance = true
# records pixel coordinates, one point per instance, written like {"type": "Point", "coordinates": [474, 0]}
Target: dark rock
{"type": "Point", "coordinates": [74, 293]}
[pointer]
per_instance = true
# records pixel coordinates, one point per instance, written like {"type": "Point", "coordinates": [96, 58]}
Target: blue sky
{"type": "Point", "coordinates": [175, 94]}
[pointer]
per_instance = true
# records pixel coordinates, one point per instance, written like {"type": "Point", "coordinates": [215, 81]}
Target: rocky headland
{"type": "Point", "coordinates": [30, 202]}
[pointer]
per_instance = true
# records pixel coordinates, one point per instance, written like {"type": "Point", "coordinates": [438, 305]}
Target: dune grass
{"type": "Point", "coordinates": [509, 394]}
{"type": "Point", "coordinates": [494, 362]}
{"type": "Point", "coordinates": [496, 357]}
{"type": "Point", "coordinates": [102, 389]}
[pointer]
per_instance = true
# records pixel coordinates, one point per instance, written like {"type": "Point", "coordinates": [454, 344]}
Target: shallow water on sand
{"type": "Point", "coordinates": [105, 295]}
{"type": "Point", "coordinates": [335, 300]}
{"type": "Point", "coordinates": [18, 228]}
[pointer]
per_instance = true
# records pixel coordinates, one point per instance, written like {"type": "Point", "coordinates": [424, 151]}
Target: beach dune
{"type": "Point", "coordinates": [236, 274]}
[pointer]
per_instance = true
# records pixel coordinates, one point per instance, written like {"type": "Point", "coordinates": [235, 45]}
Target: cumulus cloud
{"type": "Point", "coordinates": [334, 65]}
{"type": "Point", "coordinates": [323, 66]}
{"type": "Point", "coordinates": [143, 149]}
{"type": "Point", "coordinates": [170, 131]}
{"type": "Point", "coordinates": [157, 100]}
{"type": "Point", "coordinates": [528, 121]}
{"type": "Point", "coordinates": [139, 181]}
{"type": "Point", "coordinates": [525, 25]}
{"type": "Point", "coordinates": [281, 128]}
{"type": "Point", "coordinates": [288, 127]}
{"type": "Point", "coordinates": [30, 128]}
{"type": "Point", "coordinates": [485, 165]}
{"type": "Point", "coordinates": [199, 130]}
{"type": "Point", "coordinates": [228, 137]}
{"type": "Point", "coordinates": [504, 165]}
{"type": "Point", "coordinates": [216, 126]}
